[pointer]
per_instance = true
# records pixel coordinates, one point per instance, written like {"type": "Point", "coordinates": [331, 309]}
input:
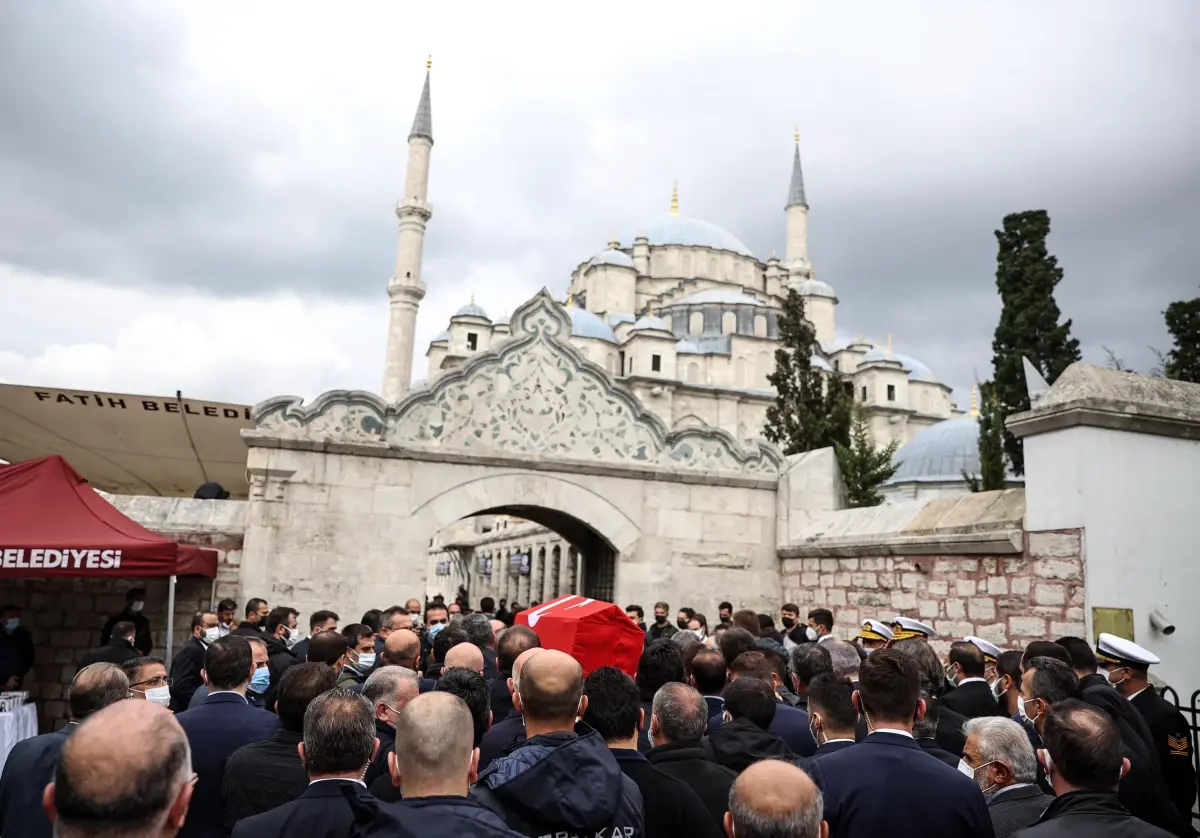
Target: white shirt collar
{"type": "Point", "coordinates": [892, 730]}
{"type": "Point", "coordinates": [830, 741]}
{"type": "Point", "coordinates": [825, 637]}
{"type": "Point", "coordinates": [336, 780]}
{"type": "Point", "coordinates": [229, 692]}
{"type": "Point", "coordinates": [969, 680]}
{"type": "Point", "coordinates": [1139, 692]}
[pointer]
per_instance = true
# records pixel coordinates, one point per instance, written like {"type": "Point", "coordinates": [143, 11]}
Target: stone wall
{"type": "Point", "coordinates": [66, 615]}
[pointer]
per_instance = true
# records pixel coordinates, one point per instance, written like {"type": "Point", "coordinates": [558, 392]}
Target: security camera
{"type": "Point", "coordinates": [1161, 623]}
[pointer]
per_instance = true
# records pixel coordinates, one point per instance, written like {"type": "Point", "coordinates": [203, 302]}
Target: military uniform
{"type": "Point", "coordinates": [875, 632]}
{"type": "Point", "coordinates": [1168, 728]}
{"type": "Point", "coordinates": [904, 628]}
{"type": "Point", "coordinates": [990, 653]}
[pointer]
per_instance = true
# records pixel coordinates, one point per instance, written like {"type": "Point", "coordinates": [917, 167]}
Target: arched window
{"type": "Point", "coordinates": [760, 325]}
{"type": "Point", "coordinates": [713, 269]}
{"type": "Point", "coordinates": [555, 570]}
{"type": "Point", "coordinates": [687, 266]}
{"type": "Point", "coordinates": [696, 323]}
{"type": "Point", "coordinates": [693, 373]}
{"type": "Point", "coordinates": [729, 323]}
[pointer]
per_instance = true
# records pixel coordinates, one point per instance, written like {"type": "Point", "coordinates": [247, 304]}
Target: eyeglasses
{"type": "Point", "coordinates": [163, 681]}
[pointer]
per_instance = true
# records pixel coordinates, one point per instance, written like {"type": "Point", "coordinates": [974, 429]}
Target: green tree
{"type": "Point", "coordinates": [991, 443]}
{"type": "Point", "coordinates": [812, 408]}
{"type": "Point", "coordinates": [1026, 275]}
{"type": "Point", "coordinates": [1183, 322]}
{"type": "Point", "coordinates": [864, 467]}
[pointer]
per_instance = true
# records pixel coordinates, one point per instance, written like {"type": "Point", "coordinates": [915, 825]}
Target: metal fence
{"type": "Point", "coordinates": [1191, 712]}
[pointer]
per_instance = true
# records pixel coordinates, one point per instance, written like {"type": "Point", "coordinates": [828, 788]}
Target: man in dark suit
{"type": "Point", "coordinates": [677, 724]}
{"type": "Point", "coordinates": [860, 803]}
{"type": "Point", "coordinates": [388, 690]}
{"type": "Point", "coordinates": [30, 764]}
{"type": "Point", "coordinates": [119, 648]}
{"type": "Point", "coordinates": [218, 727]}
{"type": "Point", "coordinates": [832, 716]}
{"type": "Point", "coordinates": [135, 601]}
{"type": "Point", "coordinates": [925, 729]}
{"type": "Point", "coordinates": [339, 742]}
{"type": "Point", "coordinates": [266, 774]}
{"type": "Point", "coordinates": [972, 696]}
{"type": "Point", "coordinates": [509, 647]}
{"type": "Point", "coordinates": [1003, 764]}
{"type": "Point", "coordinates": [808, 661]}
{"type": "Point", "coordinates": [709, 676]}
{"type": "Point", "coordinates": [256, 615]}
{"type": "Point", "coordinates": [318, 622]}
{"type": "Point", "coordinates": [790, 723]}
{"type": "Point", "coordinates": [189, 660]}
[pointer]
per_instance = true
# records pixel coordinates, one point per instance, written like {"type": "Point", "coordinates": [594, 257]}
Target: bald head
{"type": "Point", "coordinates": [94, 688]}
{"type": "Point", "coordinates": [435, 734]}
{"type": "Point", "coordinates": [774, 798]}
{"type": "Point", "coordinates": [125, 771]}
{"type": "Point", "coordinates": [514, 683]}
{"type": "Point", "coordinates": [402, 648]}
{"type": "Point", "coordinates": [466, 656]}
{"type": "Point", "coordinates": [550, 686]}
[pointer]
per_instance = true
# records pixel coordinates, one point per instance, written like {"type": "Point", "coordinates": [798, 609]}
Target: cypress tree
{"type": "Point", "coordinates": [1026, 275]}
{"type": "Point", "coordinates": [812, 407]}
{"type": "Point", "coordinates": [1183, 322]}
{"type": "Point", "coordinates": [864, 467]}
{"type": "Point", "coordinates": [991, 443]}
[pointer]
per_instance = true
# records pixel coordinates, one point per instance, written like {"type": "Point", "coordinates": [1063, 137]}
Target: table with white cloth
{"type": "Point", "coordinates": [16, 725]}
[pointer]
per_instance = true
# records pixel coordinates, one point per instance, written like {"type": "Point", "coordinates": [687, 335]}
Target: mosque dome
{"type": "Point", "coordinates": [877, 354]}
{"type": "Point", "coordinates": [612, 256]}
{"type": "Point", "coordinates": [815, 288]}
{"type": "Point", "coordinates": [650, 323]}
{"type": "Point", "coordinates": [471, 310]}
{"type": "Point", "coordinates": [692, 232]}
{"type": "Point", "coordinates": [717, 295]}
{"type": "Point", "coordinates": [940, 453]}
{"type": "Point", "coordinates": [687, 347]}
{"type": "Point", "coordinates": [916, 370]}
{"type": "Point", "coordinates": [585, 324]}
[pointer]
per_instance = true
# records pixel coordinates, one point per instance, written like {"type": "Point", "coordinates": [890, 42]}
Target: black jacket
{"type": "Point", "coordinates": [501, 739]}
{"type": "Point", "coordinates": [805, 763]}
{"type": "Point", "coordinates": [739, 744]}
{"type": "Point", "coordinates": [931, 747]}
{"type": "Point", "coordinates": [185, 674]}
{"type": "Point", "coordinates": [949, 733]}
{"type": "Point", "coordinates": [1173, 746]}
{"type": "Point", "coordinates": [438, 817]}
{"type": "Point", "coordinates": [27, 771]}
{"type": "Point", "coordinates": [327, 809]}
{"type": "Point", "coordinates": [686, 761]}
{"type": "Point", "coordinates": [562, 781]}
{"type": "Point", "coordinates": [791, 725]}
{"type": "Point", "coordinates": [142, 640]}
{"type": "Point", "coordinates": [386, 734]}
{"type": "Point", "coordinates": [1012, 809]}
{"type": "Point", "coordinates": [262, 776]}
{"type": "Point", "coordinates": [1135, 732]}
{"type": "Point", "coordinates": [1089, 814]}
{"type": "Point", "coordinates": [502, 706]}
{"type": "Point", "coordinates": [655, 632]}
{"type": "Point", "coordinates": [671, 807]}
{"type": "Point", "coordinates": [117, 651]}
{"type": "Point", "coordinates": [973, 699]}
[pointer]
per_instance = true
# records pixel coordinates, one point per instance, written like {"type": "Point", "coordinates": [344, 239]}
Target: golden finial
{"type": "Point", "coordinates": [889, 341]}
{"type": "Point", "coordinates": [675, 198]}
{"type": "Point", "coordinates": [570, 298]}
{"type": "Point", "coordinates": [975, 401]}
{"type": "Point", "coordinates": [613, 244]}
{"type": "Point", "coordinates": [797, 135]}
{"type": "Point", "coordinates": [429, 66]}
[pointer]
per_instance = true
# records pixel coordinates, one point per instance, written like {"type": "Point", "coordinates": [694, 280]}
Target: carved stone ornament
{"type": "Point", "coordinates": [532, 395]}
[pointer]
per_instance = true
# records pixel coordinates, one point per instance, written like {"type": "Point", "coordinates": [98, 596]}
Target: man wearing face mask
{"type": "Point", "coordinates": [661, 629]}
{"type": "Point", "coordinates": [795, 632]}
{"type": "Point", "coordinates": [389, 689]}
{"type": "Point", "coordinates": [260, 681]}
{"type": "Point", "coordinates": [189, 660]}
{"type": "Point", "coordinates": [999, 758]}
{"type": "Point", "coordinates": [119, 648]}
{"type": "Point", "coordinates": [831, 716]}
{"type": "Point", "coordinates": [436, 620]}
{"type": "Point", "coordinates": [972, 696]}
{"type": "Point", "coordinates": [135, 601]}
{"type": "Point", "coordinates": [682, 618]}
{"type": "Point", "coordinates": [148, 680]}
{"type": "Point", "coordinates": [361, 661]}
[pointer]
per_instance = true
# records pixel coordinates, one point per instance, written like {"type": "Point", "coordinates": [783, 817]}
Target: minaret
{"type": "Point", "coordinates": [405, 289]}
{"type": "Point", "coordinates": [797, 223]}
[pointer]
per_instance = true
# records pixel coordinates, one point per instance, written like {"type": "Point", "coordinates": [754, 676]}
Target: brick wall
{"type": "Point", "coordinates": [66, 615]}
{"type": "Point", "coordinates": [1009, 600]}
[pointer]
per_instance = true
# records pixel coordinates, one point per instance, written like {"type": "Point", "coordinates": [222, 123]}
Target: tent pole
{"type": "Point", "coordinates": [170, 619]}
{"type": "Point", "coordinates": [212, 596]}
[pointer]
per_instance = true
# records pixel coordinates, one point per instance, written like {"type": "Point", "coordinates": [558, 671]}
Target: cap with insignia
{"type": "Point", "coordinates": [905, 627]}
{"type": "Point", "coordinates": [875, 630]}
{"type": "Point", "coordinates": [990, 650]}
{"type": "Point", "coordinates": [1117, 650]}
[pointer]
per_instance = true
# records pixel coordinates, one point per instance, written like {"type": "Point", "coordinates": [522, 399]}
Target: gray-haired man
{"type": "Point", "coordinates": [1003, 765]}
{"type": "Point", "coordinates": [774, 799]}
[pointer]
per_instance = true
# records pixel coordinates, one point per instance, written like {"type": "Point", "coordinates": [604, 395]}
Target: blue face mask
{"type": "Point", "coordinates": [260, 681]}
{"type": "Point", "coordinates": [434, 629]}
{"type": "Point", "coordinates": [11, 623]}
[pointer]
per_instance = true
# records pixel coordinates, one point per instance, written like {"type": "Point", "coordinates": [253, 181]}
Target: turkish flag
{"type": "Point", "coordinates": [594, 632]}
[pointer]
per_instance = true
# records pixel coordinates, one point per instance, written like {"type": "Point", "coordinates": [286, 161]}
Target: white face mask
{"type": "Point", "coordinates": [159, 695]}
{"type": "Point", "coordinates": [137, 606]}
{"type": "Point", "coordinates": [811, 634]}
{"type": "Point", "coordinates": [211, 636]}
{"type": "Point", "coordinates": [365, 661]}
{"type": "Point", "coordinates": [1021, 710]}
{"type": "Point", "coordinates": [1108, 676]}
{"type": "Point", "coordinates": [964, 768]}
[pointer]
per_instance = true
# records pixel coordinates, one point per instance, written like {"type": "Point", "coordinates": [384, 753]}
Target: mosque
{"type": "Point", "coordinates": [685, 315]}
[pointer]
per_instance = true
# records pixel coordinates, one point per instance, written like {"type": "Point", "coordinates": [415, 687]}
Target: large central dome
{"type": "Point", "coordinates": [691, 232]}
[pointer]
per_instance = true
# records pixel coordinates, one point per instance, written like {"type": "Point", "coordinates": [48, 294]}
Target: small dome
{"type": "Point", "coordinates": [687, 347]}
{"type": "Point", "coordinates": [692, 232]}
{"type": "Point", "coordinates": [940, 453]}
{"type": "Point", "coordinates": [616, 318]}
{"type": "Point", "coordinates": [651, 323]}
{"type": "Point", "coordinates": [917, 371]}
{"type": "Point", "coordinates": [618, 258]}
{"type": "Point", "coordinates": [717, 295]}
{"type": "Point", "coordinates": [815, 288]}
{"type": "Point", "coordinates": [877, 354]}
{"type": "Point", "coordinates": [471, 310]}
{"type": "Point", "coordinates": [441, 337]}
{"type": "Point", "coordinates": [585, 324]}
{"type": "Point", "coordinates": [821, 364]}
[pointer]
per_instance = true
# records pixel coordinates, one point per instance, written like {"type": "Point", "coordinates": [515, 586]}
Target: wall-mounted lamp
{"type": "Point", "coordinates": [1160, 622]}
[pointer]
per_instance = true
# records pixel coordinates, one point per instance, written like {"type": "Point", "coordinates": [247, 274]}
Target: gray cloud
{"type": "Point", "coordinates": [120, 162]}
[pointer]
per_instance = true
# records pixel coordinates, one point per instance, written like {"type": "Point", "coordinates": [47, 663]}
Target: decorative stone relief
{"type": "Point", "coordinates": [533, 394]}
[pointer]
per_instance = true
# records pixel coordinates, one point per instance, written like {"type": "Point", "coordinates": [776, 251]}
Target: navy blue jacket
{"type": "Point", "coordinates": [29, 767]}
{"type": "Point", "coordinates": [502, 706]}
{"type": "Point", "coordinates": [438, 817]}
{"type": "Point", "coordinates": [215, 729]}
{"type": "Point", "coordinates": [501, 739]}
{"type": "Point", "coordinates": [716, 710]}
{"type": "Point", "coordinates": [562, 781]}
{"type": "Point", "coordinates": [328, 809]}
{"type": "Point", "coordinates": [882, 786]}
{"type": "Point", "coordinates": [791, 725]}
{"type": "Point", "coordinates": [824, 749]}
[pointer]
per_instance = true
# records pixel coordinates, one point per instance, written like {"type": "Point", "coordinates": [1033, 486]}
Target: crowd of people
{"type": "Point", "coordinates": [436, 720]}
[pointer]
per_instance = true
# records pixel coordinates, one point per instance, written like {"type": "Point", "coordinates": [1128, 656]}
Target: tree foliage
{"type": "Point", "coordinates": [991, 443]}
{"type": "Point", "coordinates": [1026, 275]}
{"type": "Point", "coordinates": [812, 408]}
{"type": "Point", "coordinates": [1183, 322]}
{"type": "Point", "coordinates": [864, 467]}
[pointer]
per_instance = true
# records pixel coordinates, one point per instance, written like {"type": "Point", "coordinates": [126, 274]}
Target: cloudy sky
{"type": "Point", "coordinates": [200, 196]}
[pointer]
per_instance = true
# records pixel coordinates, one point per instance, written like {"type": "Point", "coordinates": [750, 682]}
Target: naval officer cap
{"type": "Point", "coordinates": [875, 630]}
{"type": "Point", "coordinates": [905, 627]}
{"type": "Point", "coordinates": [1111, 649]}
{"type": "Point", "coordinates": [990, 650]}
